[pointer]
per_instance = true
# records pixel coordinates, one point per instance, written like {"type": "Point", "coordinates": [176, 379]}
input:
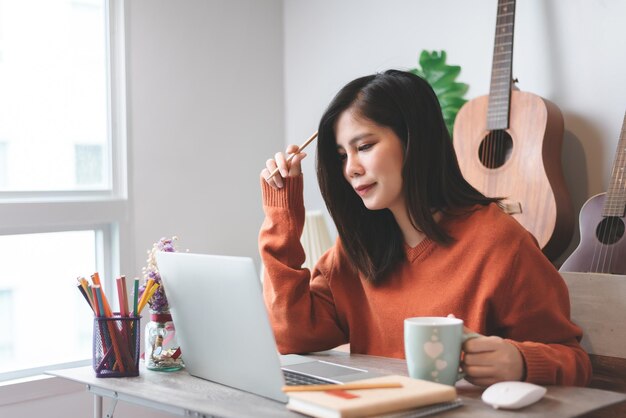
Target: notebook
{"type": "Point", "coordinates": [223, 328]}
{"type": "Point", "coordinates": [415, 398]}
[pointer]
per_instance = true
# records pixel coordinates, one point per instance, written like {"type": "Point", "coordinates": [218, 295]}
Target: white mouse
{"type": "Point", "coordinates": [512, 395]}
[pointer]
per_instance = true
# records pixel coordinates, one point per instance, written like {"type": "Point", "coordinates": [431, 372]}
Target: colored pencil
{"type": "Point", "coordinates": [151, 292]}
{"type": "Point", "coordinates": [125, 294]}
{"type": "Point", "coordinates": [120, 296]}
{"type": "Point", "coordinates": [135, 296]}
{"type": "Point", "coordinates": [84, 293]}
{"type": "Point", "coordinates": [85, 285]}
{"type": "Point", "coordinates": [144, 295]}
{"type": "Point", "coordinates": [346, 386]}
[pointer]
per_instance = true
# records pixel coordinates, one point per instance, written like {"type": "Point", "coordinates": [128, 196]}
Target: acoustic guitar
{"type": "Point", "coordinates": [602, 247]}
{"type": "Point", "coordinates": [509, 145]}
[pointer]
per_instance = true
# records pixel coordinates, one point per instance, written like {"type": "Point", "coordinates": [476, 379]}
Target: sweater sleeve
{"type": "Point", "coordinates": [535, 315]}
{"type": "Point", "coordinates": [300, 303]}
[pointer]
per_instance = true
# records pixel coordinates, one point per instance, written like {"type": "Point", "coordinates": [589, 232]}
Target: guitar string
{"type": "Point", "coordinates": [491, 146]}
{"type": "Point", "coordinates": [619, 203]}
{"type": "Point", "coordinates": [614, 225]}
{"type": "Point", "coordinates": [601, 238]}
{"type": "Point", "coordinates": [615, 222]}
{"type": "Point", "coordinates": [600, 247]}
{"type": "Point", "coordinates": [597, 243]}
{"type": "Point", "coordinates": [611, 224]}
{"type": "Point", "coordinates": [493, 149]}
{"type": "Point", "coordinates": [611, 227]}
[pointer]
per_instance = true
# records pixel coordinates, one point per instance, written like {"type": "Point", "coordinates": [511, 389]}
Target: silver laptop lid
{"type": "Point", "coordinates": [221, 321]}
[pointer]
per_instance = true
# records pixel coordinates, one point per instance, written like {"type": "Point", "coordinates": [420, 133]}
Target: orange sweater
{"type": "Point", "coordinates": [493, 276]}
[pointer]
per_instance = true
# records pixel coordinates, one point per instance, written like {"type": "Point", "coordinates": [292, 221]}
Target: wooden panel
{"type": "Point", "coordinates": [613, 411]}
{"type": "Point", "coordinates": [598, 303]}
{"type": "Point", "coordinates": [609, 373]}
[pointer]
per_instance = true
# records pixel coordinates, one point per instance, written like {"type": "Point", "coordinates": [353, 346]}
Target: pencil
{"type": "Point", "coordinates": [95, 278]}
{"type": "Point", "coordinates": [94, 297]}
{"type": "Point", "coordinates": [99, 298]}
{"type": "Point", "coordinates": [302, 147]}
{"type": "Point", "coordinates": [347, 386]}
{"type": "Point", "coordinates": [125, 295]}
{"type": "Point", "coordinates": [96, 309]}
{"type": "Point", "coordinates": [84, 293]}
{"type": "Point", "coordinates": [134, 313]}
{"type": "Point", "coordinates": [105, 303]}
{"type": "Point", "coordinates": [149, 295]}
{"type": "Point", "coordinates": [85, 285]}
{"type": "Point", "coordinates": [121, 297]}
{"type": "Point", "coordinates": [135, 296]}
{"type": "Point", "coordinates": [144, 295]}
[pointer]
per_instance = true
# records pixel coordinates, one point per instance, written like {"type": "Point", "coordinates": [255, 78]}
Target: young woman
{"type": "Point", "coordinates": [415, 239]}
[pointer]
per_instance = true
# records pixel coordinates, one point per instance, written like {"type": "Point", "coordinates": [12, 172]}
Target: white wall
{"type": "Point", "coordinates": [205, 110]}
{"type": "Point", "coordinates": [568, 51]}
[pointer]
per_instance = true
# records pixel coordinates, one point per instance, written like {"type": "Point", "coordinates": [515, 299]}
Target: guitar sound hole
{"type": "Point", "coordinates": [610, 230]}
{"type": "Point", "coordinates": [495, 149]}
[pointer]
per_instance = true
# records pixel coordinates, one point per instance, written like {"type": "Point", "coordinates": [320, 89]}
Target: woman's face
{"type": "Point", "coordinates": [372, 157]}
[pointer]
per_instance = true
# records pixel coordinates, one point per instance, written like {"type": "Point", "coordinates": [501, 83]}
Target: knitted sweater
{"type": "Point", "coordinates": [493, 276]}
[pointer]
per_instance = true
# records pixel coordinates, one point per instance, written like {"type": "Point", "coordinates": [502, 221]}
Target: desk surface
{"type": "Point", "coordinates": [179, 392]}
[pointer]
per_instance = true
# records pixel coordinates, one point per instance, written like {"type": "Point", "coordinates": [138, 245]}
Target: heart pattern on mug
{"type": "Point", "coordinates": [441, 364]}
{"type": "Point", "coordinates": [433, 349]}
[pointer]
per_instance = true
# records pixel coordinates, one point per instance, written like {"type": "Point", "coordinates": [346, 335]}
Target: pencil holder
{"type": "Point", "coordinates": [116, 346]}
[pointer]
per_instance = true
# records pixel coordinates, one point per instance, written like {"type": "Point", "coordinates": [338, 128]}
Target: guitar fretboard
{"type": "Point", "coordinates": [615, 202]}
{"type": "Point", "coordinates": [500, 89]}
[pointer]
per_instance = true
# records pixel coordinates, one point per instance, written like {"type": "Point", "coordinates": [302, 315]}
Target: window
{"type": "Point", "coordinates": [3, 164]}
{"type": "Point", "coordinates": [51, 320]}
{"type": "Point", "coordinates": [88, 164]}
{"type": "Point", "coordinates": [7, 347]}
{"type": "Point", "coordinates": [53, 80]}
{"type": "Point", "coordinates": [62, 174]}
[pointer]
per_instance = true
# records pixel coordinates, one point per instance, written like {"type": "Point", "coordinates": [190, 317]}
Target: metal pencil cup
{"type": "Point", "coordinates": [116, 346]}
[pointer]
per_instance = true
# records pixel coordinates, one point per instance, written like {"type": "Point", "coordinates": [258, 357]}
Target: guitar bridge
{"type": "Point", "coordinates": [512, 208]}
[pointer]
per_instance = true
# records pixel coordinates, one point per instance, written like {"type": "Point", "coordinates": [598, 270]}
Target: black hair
{"type": "Point", "coordinates": [432, 179]}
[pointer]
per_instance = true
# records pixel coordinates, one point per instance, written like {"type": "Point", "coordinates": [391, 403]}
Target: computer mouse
{"type": "Point", "coordinates": [512, 395]}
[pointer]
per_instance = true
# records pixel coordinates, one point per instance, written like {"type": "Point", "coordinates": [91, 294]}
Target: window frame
{"type": "Point", "coordinates": [105, 211]}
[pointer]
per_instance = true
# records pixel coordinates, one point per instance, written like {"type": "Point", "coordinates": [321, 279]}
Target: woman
{"type": "Point", "coordinates": [415, 239]}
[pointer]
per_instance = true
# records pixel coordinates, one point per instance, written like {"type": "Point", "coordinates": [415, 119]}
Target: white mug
{"type": "Point", "coordinates": [432, 346]}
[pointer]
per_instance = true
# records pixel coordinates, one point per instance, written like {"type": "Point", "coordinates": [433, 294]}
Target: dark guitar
{"type": "Point", "coordinates": [602, 247]}
{"type": "Point", "coordinates": [509, 145]}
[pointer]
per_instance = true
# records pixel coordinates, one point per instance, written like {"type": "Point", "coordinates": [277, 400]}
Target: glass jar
{"type": "Point", "coordinates": [161, 347]}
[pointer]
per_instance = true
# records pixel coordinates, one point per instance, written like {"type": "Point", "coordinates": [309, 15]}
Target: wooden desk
{"type": "Point", "coordinates": [179, 393]}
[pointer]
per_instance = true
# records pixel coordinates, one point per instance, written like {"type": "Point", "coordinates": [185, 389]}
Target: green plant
{"type": "Point", "coordinates": [441, 78]}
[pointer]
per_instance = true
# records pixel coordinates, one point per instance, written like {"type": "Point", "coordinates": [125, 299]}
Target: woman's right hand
{"type": "Point", "coordinates": [285, 169]}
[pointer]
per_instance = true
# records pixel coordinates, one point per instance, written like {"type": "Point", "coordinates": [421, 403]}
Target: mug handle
{"type": "Point", "coordinates": [466, 336]}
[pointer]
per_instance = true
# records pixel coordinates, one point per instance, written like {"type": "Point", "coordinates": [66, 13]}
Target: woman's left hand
{"type": "Point", "coordinates": [488, 360]}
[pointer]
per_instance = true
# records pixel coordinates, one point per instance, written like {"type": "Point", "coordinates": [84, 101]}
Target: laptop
{"type": "Point", "coordinates": [223, 328]}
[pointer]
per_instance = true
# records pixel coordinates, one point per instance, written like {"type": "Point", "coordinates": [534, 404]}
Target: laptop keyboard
{"type": "Point", "coordinates": [293, 379]}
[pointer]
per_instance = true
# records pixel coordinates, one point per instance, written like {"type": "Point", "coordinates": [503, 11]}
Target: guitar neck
{"type": "Point", "coordinates": [500, 89]}
{"type": "Point", "coordinates": [615, 202]}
